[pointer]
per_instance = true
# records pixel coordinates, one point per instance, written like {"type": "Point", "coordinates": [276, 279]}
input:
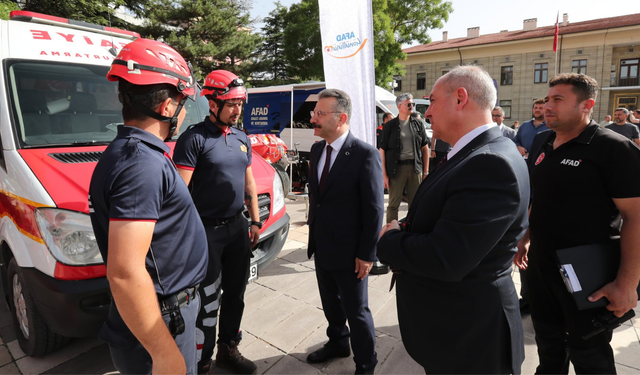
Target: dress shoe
{"type": "Point", "coordinates": [378, 268]}
{"type": "Point", "coordinates": [327, 352]}
{"type": "Point", "coordinates": [361, 370]}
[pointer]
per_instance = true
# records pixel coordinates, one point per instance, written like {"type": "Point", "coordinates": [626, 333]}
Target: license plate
{"type": "Point", "coordinates": [253, 272]}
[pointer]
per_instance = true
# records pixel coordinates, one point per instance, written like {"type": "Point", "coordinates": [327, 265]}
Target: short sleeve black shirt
{"type": "Point", "coordinates": [573, 187]}
{"type": "Point", "coordinates": [219, 162]}
{"type": "Point", "coordinates": [135, 180]}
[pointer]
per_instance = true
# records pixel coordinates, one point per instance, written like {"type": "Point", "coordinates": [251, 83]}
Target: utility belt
{"type": "Point", "coordinates": [171, 306]}
{"type": "Point", "coordinates": [405, 162]}
{"type": "Point", "coordinates": [225, 221]}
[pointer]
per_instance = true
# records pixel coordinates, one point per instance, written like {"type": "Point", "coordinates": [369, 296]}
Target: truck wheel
{"type": "Point", "coordinates": [284, 176]}
{"type": "Point", "coordinates": [34, 337]}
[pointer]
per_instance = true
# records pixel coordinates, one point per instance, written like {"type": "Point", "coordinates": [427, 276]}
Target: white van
{"type": "Point", "coordinates": [58, 112]}
{"type": "Point", "coordinates": [268, 111]}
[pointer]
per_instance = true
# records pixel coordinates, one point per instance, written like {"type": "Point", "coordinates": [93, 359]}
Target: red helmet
{"type": "Point", "coordinates": [149, 62]}
{"type": "Point", "coordinates": [224, 85]}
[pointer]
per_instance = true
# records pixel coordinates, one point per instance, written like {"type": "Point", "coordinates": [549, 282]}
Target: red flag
{"type": "Point", "coordinates": [555, 37]}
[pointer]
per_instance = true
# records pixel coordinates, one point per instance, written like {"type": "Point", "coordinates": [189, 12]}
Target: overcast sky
{"type": "Point", "coordinates": [492, 16]}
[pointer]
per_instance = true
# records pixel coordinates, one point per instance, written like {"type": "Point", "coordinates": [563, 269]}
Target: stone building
{"type": "Point", "coordinates": [521, 62]}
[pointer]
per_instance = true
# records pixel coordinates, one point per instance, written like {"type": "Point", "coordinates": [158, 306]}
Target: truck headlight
{"type": "Point", "coordinates": [278, 194]}
{"type": "Point", "coordinates": [69, 236]}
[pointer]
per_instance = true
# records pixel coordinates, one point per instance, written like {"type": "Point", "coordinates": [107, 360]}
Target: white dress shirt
{"type": "Point", "coordinates": [336, 146]}
{"type": "Point", "coordinates": [467, 138]}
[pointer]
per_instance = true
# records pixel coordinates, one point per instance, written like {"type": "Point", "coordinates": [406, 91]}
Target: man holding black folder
{"type": "Point", "coordinates": [580, 189]}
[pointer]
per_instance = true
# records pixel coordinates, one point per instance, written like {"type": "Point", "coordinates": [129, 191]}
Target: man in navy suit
{"type": "Point", "coordinates": [454, 250]}
{"type": "Point", "coordinates": [345, 215]}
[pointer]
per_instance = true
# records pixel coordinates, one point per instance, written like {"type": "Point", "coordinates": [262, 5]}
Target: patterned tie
{"type": "Point", "coordinates": [325, 170]}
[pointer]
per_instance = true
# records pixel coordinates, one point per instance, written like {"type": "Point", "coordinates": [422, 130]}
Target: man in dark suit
{"type": "Point", "coordinates": [345, 215]}
{"type": "Point", "coordinates": [454, 250]}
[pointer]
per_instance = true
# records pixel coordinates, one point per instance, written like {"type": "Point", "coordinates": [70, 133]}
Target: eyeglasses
{"type": "Point", "coordinates": [498, 115]}
{"type": "Point", "coordinates": [320, 113]}
{"type": "Point", "coordinates": [411, 105]}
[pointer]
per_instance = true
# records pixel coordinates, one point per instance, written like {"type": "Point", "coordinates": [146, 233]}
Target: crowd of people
{"type": "Point", "coordinates": [175, 255]}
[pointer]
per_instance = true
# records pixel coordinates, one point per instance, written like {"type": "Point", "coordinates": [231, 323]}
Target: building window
{"type": "Point", "coordinates": [506, 75]}
{"type": "Point", "coordinates": [445, 72]}
{"type": "Point", "coordinates": [540, 73]}
{"type": "Point", "coordinates": [421, 83]}
{"type": "Point", "coordinates": [629, 72]}
{"type": "Point", "coordinates": [579, 66]}
{"type": "Point", "coordinates": [398, 82]}
{"type": "Point", "coordinates": [506, 106]}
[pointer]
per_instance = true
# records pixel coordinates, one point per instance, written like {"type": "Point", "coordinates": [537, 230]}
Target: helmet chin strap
{"type": "Point", "coordinates": [130, 99]}
{"type": "Point", "coordinates": [217, 115]}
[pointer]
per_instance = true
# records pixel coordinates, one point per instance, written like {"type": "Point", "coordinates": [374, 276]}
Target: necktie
{"type": "Point", "coordinates": [393, 277]}
{"type": "Point", "coordinates": [327, 165]}
{"type": "Point", "coordinates": [442, 161]}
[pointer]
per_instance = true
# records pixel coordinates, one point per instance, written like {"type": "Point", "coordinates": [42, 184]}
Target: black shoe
{"type": "Point", "coordinates": [363, 371]}
{"type": "Point", "coordinates": [229, 357]}
{"type": "Point", "coordinates": [327, 352]}
{"type": "Point", "coordinates": [206, 368]}
{"type": "Point", "coordinates": [379, 268]}
{"type": "Point", "coordinates": [524, 306]}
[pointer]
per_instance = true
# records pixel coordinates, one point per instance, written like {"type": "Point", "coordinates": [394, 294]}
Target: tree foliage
{"type": "Point", "coordinates": [99, 12]}
{"type": "Point", "coordinates": [395, 22]}
{"type": "Point", "coordinates": [270, 66]}
{"type": "Point", "coordinates": [211, 34]}
{"type": "Point", "coordinates": [6, 7]}
{"type": "Point", "coordinates": [303, 43]}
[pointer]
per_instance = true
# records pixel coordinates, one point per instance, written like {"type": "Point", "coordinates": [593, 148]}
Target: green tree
{"type": "Point", "coordinates": [211, 34]}
{"type": "Point", "coordinates": [395, 22]}
{"type": "Point", "coordinates": [6, 7]}
{"type": "Point", "coordinates": [99, 12]}
{"type": "Point", "coordinates": [270, 66]}
{"type": "Point", "coordinates": [303, 44]}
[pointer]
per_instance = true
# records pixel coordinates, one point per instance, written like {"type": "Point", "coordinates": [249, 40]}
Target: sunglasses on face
{"type": "Point", "coordinates": [411, 105]}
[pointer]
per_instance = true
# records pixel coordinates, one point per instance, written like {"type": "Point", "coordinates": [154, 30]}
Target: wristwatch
{"type": "Point", "coordinates": [257, 224]}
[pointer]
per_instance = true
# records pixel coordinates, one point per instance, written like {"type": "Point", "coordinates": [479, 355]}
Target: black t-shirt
{"type": "Point", "coordinates": [573, 187]}
{"type": "Point", "coordinates": [628, 130]}
{"type": "Point", "coordinates": [219, 163]}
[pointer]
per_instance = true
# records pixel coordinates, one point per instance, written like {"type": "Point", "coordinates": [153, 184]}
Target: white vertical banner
{"type": "Point", "coordinates": [346, 27]}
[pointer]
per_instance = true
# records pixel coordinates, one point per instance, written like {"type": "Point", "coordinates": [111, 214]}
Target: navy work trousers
{"type": "Point", "coordinates": [224, 286]}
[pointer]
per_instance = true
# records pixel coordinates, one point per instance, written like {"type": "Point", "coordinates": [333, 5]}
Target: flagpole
{"type": "Point", "coordinates": [555, 43]}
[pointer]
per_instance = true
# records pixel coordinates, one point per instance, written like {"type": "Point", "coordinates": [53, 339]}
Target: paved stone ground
{"type": "Point", "coordinates": [283, 322]}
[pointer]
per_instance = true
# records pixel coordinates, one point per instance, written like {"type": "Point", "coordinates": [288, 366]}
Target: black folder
{"type": "Point", "coordinates": [595, 266]}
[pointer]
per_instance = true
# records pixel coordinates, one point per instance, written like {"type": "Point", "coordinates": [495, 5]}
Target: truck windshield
{"type": "Point", "coordinates": [69, 104]}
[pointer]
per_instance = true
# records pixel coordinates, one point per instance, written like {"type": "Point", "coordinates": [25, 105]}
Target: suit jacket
{"type": "Point", "coordinates": [457, 305]}
{"type": "Point", "coordinates": [345, 218]}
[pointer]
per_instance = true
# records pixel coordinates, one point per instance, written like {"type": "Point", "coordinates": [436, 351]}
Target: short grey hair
{"type": "Point", "coordinates": [402, 97]}
{"type": "Point", "coordinates": [476, 81]}
{"type": "Point", "coordinates": [498, 108]}
{"type": "Point", "coordinates": [343, 101]}
{"type": "Point", "coordinates": [626, 111]}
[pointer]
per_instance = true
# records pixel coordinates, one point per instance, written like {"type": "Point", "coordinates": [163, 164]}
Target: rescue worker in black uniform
{"type": "Point", "coordinates": [214, 159]}
{"type": "Point", "coordinates": [146, 226]}
{"type": "Point", "coordinates": [583, 178]}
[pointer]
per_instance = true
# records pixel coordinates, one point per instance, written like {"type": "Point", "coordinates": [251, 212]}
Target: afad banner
{"type": "Point", "coordinates": [347, 49]}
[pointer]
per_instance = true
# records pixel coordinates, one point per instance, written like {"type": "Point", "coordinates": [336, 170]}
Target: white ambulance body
{"type": "Point", "coordinates": [56, 107]}
{"type": "Point", "coordinates": [58, 113]}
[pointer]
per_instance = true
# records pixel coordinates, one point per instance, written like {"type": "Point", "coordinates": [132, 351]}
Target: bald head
{"type": "Point", "coordinates": [476, 81]}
